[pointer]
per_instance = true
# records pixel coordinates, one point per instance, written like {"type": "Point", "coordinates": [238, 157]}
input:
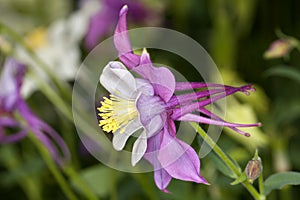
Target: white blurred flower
{"type": "Point", "coordinates": [58, 47]}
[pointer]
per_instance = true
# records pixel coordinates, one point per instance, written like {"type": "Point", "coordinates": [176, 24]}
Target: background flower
{"type": "Point", "coordinates": [12, 104]}
{"type": "Point", "coordinates": [101, 22]}
{"type": "Point", "coordinates": [58, 46]}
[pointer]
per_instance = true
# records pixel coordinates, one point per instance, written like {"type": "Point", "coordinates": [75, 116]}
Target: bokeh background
{"type": "Point", "coordinates": [236, 33]}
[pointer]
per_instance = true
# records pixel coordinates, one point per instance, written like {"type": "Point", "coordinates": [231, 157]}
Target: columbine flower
{"type": "Point", "coordinates": [12, 105]}
{"type": "Point", "coordinates": [100, 23]}
{"type": "Point", "coordinates": [149, 103]}
{"type": "Point", "coordinates": [58, 46]}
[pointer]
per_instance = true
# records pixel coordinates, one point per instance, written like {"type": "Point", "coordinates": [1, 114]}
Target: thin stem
{"type": "Point", "coordinates": [261, 184]}
{"type": "Point", "coordinates": [53, 168]}
{"type": "Point", "coordinates": [226, 160]}
{"type": "Point", "coordinates": [147, 187]}
{"type": "Point", "coordinates": [50, 93]}
{"type": "Point", "coordinates": [12, 161]}
{"type": "Point", "coordinates": [113, 186]}
{"type": "Point", "coordinates": [85, 189]}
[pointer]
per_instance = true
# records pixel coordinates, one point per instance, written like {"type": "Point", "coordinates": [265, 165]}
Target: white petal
{"type": "Point", "coordinates": [139, 148]}
{"type": "Point", "coordinates": [144, 87]}
{"type": "Point", "coordinates": [118, 80]}
{"type": "Point", "coordinates": [154, 125]}
{"type": "Point", "coordinates": [119, 139]}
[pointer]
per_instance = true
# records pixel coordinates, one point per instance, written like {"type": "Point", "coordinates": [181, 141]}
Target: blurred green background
{"type": "Point", "coordinates": [236, 33]}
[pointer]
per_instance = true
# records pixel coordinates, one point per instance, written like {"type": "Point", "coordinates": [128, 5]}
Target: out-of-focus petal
{"type": "Point", "coordinates": [99, 26]}
{"type": "Point", "coordinates": [48, 136]}
{"type": "Point", "coordinates": [13, 137]}
{"type": "Point", "coordinates": [10, 82]}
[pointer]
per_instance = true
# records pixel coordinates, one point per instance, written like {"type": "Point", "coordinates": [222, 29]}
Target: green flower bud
{"type": "Point", "coordinates": [253, 168]}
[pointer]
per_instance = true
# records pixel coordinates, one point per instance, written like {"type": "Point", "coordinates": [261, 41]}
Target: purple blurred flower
{"type": "Point", "coordinates": [12, 104]}
{"type": "Point", "coordinates": [149, 103]}
{"type": "Point", "coordinates": [100, 23]}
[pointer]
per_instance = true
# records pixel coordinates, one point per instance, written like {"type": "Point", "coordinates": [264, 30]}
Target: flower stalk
{"type": "Point", "coordinates": [235, 169]}
{"type": "Point", "coordinates": [53, 168]}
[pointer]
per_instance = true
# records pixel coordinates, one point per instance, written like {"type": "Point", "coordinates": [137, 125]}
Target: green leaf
{"type": "Point", "coordinates": [99, 178]}
{"type": "Point", "coordinates": [279, 180]}
{"type": "Point", "coordinates": [284, 71]}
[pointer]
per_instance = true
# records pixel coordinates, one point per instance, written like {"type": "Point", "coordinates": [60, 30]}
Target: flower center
{"type": "Point", "coordinates": [116, 113]}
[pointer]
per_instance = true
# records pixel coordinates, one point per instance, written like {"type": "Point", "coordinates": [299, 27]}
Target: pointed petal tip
{"type": "Point", "coordinates": [204, 181]}
{"type": "Point", "coordinates": [145, 57]}
{"type": "Point", "coordinates": [201, 179]}
{"type": "Point", "coordinates": [123, 10]}
{"type": "Point", "coordinates": [117, 147]}
{"type": "Point", "coordinates": [144, 51]}
{"type": "Point", "coordinates": [135, 160]}
{"type": "Point", "coordinates": [166, 191]}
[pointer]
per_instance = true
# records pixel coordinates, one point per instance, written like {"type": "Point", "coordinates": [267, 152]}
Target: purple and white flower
{"type": "Point", "coordinates": [13, 105]}
{"type": "Point", "coordinates": [149, 103]}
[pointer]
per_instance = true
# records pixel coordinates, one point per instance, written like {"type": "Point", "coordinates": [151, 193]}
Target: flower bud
{"type": "Point", "coordinates": [253, 169]}
{"type": "Point", "coordinates": [279, 48]}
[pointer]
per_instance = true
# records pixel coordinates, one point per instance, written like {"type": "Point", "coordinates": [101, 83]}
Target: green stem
{"type": "Point", "coordinates": [113, 187]}
{"type": "Point", "coordinates": [147, 187]}
{"type": "Point", "coordinates": [12, 161]}
{"type": "Point", "coordinates": [85, 189]}
{"type": "Point", "coordinates": [53, 168]}
{"type": "Point", "coordinates": [261, 184]}
{"type": "Point", "coordinates": [226, 160]}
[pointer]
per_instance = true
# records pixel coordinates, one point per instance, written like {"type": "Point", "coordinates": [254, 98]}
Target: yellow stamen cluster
{"type": "Point", "coordinates": [116, 113]}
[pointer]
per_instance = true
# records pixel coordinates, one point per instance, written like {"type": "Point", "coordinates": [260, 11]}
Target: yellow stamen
{"type": "Point", "coordinates": [116, 113]}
